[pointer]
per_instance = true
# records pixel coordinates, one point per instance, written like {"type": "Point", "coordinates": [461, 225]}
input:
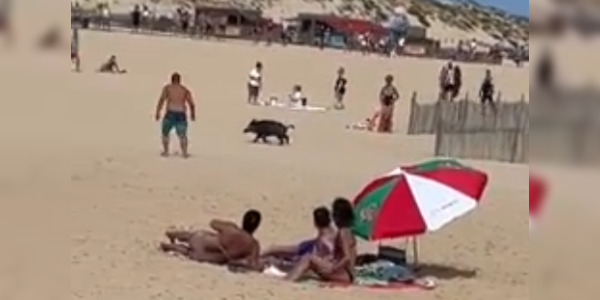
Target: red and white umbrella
{"type": "Point", "coordinates": [410, 201]}
{"type": "Point", "coordinates": [536, 197]}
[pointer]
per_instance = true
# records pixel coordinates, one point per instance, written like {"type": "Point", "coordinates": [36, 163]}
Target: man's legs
{"type": "Point", "coordinates": [181, 129]}
{"type": "Point", "coordinates": [167, 126]}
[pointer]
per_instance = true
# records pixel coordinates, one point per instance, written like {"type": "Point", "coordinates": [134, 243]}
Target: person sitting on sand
{"type": "Point", "coordinates": [111, 66]}
{"type": "Point", "coordinates": [322, 245]}
{"type": "Point", "coordinates": [341, 268]}
{"type": "Point", "coordinates": [369, 124]}
{"type": "Point", "coordinates": [297, 98]}
{"type": "Point", "coordinates": [227, 245]}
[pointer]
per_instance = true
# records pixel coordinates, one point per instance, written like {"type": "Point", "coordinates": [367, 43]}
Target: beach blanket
{"type": "Point", "coordinates": [382, 273]}
{"type": "Point", "coordinates": [379, 275]}
{"type": "Point", "coordinates": [385, 275]}
{"type": "Point", "coordinates": [294, 107]}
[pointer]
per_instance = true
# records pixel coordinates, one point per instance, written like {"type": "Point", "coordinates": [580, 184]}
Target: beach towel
{"type": "Point", "coordinates": [276, 103]}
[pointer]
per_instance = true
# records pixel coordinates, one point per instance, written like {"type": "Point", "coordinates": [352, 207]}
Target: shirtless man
{"type": "Point", "coordinates": [227, 245]}
{"type": "Point", "coordinates": [111, 66]}
{"type": "Point", "coordinates": [177, 99]}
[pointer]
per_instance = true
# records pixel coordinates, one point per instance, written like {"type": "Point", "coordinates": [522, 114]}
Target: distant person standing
{"type": "Point", "coordinates": [146, 18]}
{"type": "Point", "coordinates": [255, 83]}
{"type": "Point", "coordinates": [136, 18]}
{"type": "Point", "coordinates": [177, 99]}
{"type": "Point", "coordinates": [105, 16]}
{"type": "Point", "coordinates": [446, 80]}
{"type": "Point", "coordinates": [545, 72]}
{"type": "Point", "coordinates": [486, 92]}
{"type": "Point", "coordinates": [340, 89]}
{"type": "Point", "coordinates": [457, 82]}
{"type": "Point", "coordinates": [388, 96]}
{"type": "Point", "coordinates": [450, 82]}
{"type": "Point", "coordinates": [75, 58]}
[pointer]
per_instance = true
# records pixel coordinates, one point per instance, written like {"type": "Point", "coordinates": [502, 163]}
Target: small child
{"type": "Point", "coordinates": [297, 97]}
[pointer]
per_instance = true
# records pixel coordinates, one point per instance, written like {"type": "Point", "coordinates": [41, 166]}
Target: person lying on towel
{"type": "Point", "coordinates": [227, 244]}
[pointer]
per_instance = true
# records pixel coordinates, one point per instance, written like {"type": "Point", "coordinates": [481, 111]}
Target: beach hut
{"type": "Point", "coordinates": [333, 31]}
{"type": "Point", "coordinates": [231, 21]}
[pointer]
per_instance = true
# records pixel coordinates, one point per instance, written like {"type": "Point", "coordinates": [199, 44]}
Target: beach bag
{"type": "Point", "coordinates": [393, 255]}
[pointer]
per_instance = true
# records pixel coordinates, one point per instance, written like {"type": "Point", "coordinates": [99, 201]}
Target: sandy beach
{"type": "Point", "coordinates": [98, 133]}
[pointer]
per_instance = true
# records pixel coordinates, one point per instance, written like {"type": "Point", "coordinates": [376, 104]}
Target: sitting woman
{"type": "Point", "coordinates": [341, 267]}
{"type": "Point", "coordinates": [111, 66]}
{"type": "Point", "coordinates": [322, 245]}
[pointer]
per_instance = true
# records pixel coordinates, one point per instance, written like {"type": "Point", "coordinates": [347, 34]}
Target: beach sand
{"type": "Point", "coordinates": [98, 133]}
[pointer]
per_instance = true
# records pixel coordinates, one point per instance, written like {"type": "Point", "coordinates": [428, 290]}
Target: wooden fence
{"type": "Point", "coordinates": [467, 129]}
{"type": "Point", "coordinates": [426, 118]}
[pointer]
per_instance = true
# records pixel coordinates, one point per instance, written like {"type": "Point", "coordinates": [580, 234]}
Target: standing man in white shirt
{"type": "Point", "coordinates": [255, 82]}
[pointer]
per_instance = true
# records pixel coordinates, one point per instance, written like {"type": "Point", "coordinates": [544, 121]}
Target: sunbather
{"type": "Point", "coordinates": [369, 124]}
{"type": "Point", "coordinates": [322, 245]}
{"type": "Point", "coordinates": [228, 244]}
{"type": "Point", "coordinates": [111, 66]}
{"type": "Point", "coordinates": [340, 269]}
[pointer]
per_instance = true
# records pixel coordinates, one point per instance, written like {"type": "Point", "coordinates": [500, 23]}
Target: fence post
{"type": "Point", "coordinates": [438, 139]}
{"type": "Point", "coordinates": [413, 114]}
{"type": "Point", "coordinates": [437, 114]}
{"type": "Point", "coordinates": [518, 131]}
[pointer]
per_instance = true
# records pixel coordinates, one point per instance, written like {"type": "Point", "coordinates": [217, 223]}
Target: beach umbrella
{"type": "Point", "coordinates": [410, 201]}
{"type": "Point", "coordinates": [536, 195]}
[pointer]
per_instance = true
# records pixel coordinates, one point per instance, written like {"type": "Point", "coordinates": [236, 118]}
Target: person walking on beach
{"type": "Point", "coordinates": [486, 92]}
{"type": "Point", "coordinates": [388, 96]}
{"type": "Point", "coordinates": [177, 99]}
{"type": "Point", "coordinates": [255, 83]}
{"type": "Point", "coordinates": [340, 89]}
{"type": "Point", "coordinates": [75, 58]}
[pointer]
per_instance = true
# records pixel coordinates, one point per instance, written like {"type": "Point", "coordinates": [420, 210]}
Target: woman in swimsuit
{"type": "Point", "coordinates": [388, 96]}
{"type": "Point", "coordinates": [322, 245]}
{"type": "Point", "coordinates": [341, 267]}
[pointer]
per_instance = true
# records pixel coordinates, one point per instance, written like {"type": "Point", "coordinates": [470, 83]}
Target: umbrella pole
{"type": "Point", "coordinates": [416, 252]}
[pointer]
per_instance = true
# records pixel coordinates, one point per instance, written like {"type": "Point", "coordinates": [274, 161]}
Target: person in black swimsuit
{"type": "Point", "coordinates": [486, 92]}
{"type": "Point", "coordinates": [340, 89]}
{"type": "Point", "coordinates": [388, 96]}
{"type": "Point", "coordinates": [341, 268]}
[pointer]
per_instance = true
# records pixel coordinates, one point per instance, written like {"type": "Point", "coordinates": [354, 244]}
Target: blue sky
{"type": "Point", "coordinates": [520, 7]}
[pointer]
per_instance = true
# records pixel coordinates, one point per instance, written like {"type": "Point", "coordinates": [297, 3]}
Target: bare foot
{"type": "Point", "coordinates": [164, 247]}
{"type": "Point", "coordinates": [164, 154]}
{"type": "Point", "coordinates": [185, 155]}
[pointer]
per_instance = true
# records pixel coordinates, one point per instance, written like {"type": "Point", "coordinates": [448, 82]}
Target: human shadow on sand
{"type": "Point", "coordinates": [445, 272]}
